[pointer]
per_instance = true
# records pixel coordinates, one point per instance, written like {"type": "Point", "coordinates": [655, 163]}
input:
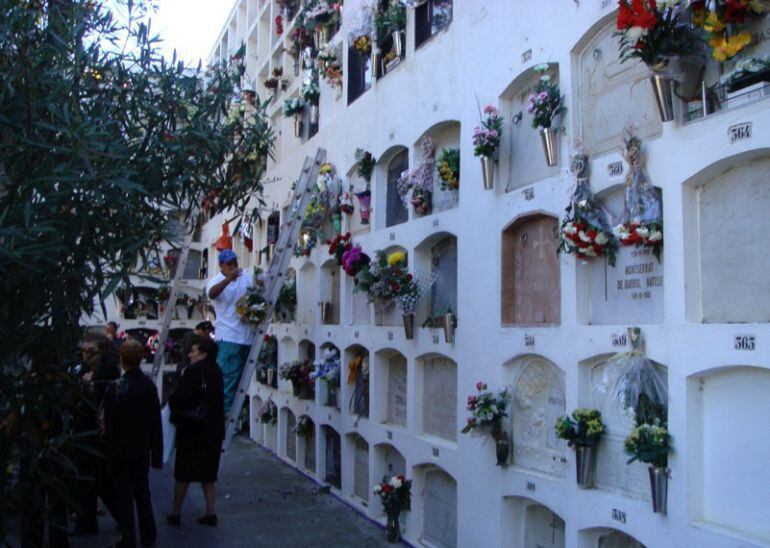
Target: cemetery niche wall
{"type": "Point", "coordinates": [438, 393]}
{"type": "Point", "coordinates": [355, 184]}
{"type": "Point", "coordinates": [307, 447]}
{"type": "Point", "coordinates": [446, 136]}
{"type": "Point", "coordinates": [329, 294]}
{"type": "Point", "coordinates": [529, 523]}
{"type": "Point", "coordinates": [359, 307]}
{"type": "Point", "coordinates": [437, 255]}
{"type": "Point", "coordinates": [530, 285]}
{"type": "Point", "coordinates": [360, 453]}
{"type": "Point", "coordinates": [438, 506]}
{"type": "Point", "coordinates": [389, 203]}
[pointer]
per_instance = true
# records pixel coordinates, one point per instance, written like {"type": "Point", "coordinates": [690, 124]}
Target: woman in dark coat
{"type": "Point", "coordinates": [198, 446]}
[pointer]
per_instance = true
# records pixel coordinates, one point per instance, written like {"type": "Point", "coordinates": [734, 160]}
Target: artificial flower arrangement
{"type": "Point", "coordinates": [448, 167]}
{"type": "Point", "coordinates": [547, 102]}
{"type": "Point", "coordinates": [286, 305]}
{"type": "Point", "coordinates": [648, 443]}
{"type": "Point", "coordinates": [164, 293]}
{"type": "Point", "coordinates": [268, 413]}
{"type": "Point", "coordinates": [389, 21]}
{"type": "Point", "coordinates": [641, 223]}
{"type": "Point", "coordinates": [325, 177]}
{"type": "Point", "coordinates": [414, 287]}
{"type": "Point", "coordinates": [275, 80]}
{"type": "Point", "coordinates": [339, 246]}
{"type": "Point", "coordinates": [486, 136]}
{"type": "Point", "coordinates": [365, 163]}
{"type": "Point", "coordinates": [420, 180]}
{"type": "Point", "coordinates": [310, 91]}
{"type": "Point", "coordinates": [358, 375]}
{"type": "Point", "coordinates": [299, 38]}
{"type": "Point", "coordinates": [346, 203]}
{"type": "Point", "coordinates": [723, 22]}
{"type": "Point", "coordinates": [487, 408]}
{"type": "Point", "coordinates": [328, 368]}
{"type": "Point", "coordinates": [329, 66]}
{"type": "Point", "coordinates": [354, 260]}
{"type": "Point", "coordinates": [386, 278]}
{"type": "Point", "coordinates": [252, 308]}
{"type": "Point", "coordinates": [584, 429]}
{"type": "Point", "coordinates": [746, 72]}
{"type": "Point", "coordinates": [279, 24]}
{"type": "Point", "coordinates": [299, 374]}
{"type": "Point", "coordinates": [363, 44]}
{"type": "Point", "coordinates": [316, 213]}
{"type": "Point", "coordinates": [585, 230]}
{"type": "Point", "coordinates": [396, 496]}
{"type": "Point", "coordinates": [304, 428]}
{"type": "Point", "coordinates": [364, 203]}
{"type": "Point", "coordinates": [321, 13]}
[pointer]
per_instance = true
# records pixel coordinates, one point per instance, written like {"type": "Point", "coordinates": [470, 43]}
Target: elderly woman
{"type": "Point", "coordinates": [197, 409]}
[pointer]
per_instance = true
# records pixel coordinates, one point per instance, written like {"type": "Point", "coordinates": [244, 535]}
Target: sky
{"type": "Point", "coordinates": [190, 26]}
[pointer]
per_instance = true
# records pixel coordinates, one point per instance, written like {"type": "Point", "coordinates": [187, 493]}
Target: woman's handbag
{"type": "Point", "coordinates": [195, 415]}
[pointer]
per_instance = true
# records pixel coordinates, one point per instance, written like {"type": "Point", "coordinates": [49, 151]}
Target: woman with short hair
{"type": "Point", "coordinates": [199, 436]}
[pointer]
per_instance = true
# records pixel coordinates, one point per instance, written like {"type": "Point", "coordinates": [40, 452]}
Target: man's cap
{"type": "Point", "coordinates": [227, 255]}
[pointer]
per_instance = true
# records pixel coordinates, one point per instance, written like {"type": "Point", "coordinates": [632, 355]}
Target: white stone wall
{"type": "Point", "coordinates": [718, 413]}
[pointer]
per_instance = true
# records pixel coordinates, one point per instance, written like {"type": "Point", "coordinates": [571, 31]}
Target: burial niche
{"type": "Point", "coordinates": [395, 210]}
{"type": "Point", "coordinates": [308, 447]}
{"type": "Point", "coordinates": [530, 272]}
{"type": "Point", "coordinates": [291, 436]}
{"type": "Point", "coordinates": [537, 390]}
{"type": "Point", "coordinates": [255, 431]}
{"type": "Point", "coordinates": [443, 292]}
{"type": "Point", "coordinates": [332, 460]}
{"type": "Point", "coordinates": [329, 295]}
{"type": "Point", "coordinates": [360, 308]}
{"type": "Point", "coordinates": [396, 406]}
{"type": "Point", "coordinates": [439, 508]}
{"type": "Point", "coordinates": [532, 525]}
{"type": "Point", "coordinates": [439, 397]}
{"type": "Point", "coordinates": [360, 468]}
{"type": "Point", "coordinates": [391, 461]}
{"type": "Point", "coordinates": [306, 292]}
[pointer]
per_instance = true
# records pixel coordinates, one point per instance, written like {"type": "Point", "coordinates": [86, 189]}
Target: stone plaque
{"type": "Point", "coordinates": [271, 437]}
{"type": "Point", "coordinates": [530, 285]}
{"type": "Point", "coordinates": [395, 464]}
{"type": "Point", "coordinates": [333, 471]}
{"type": "Point", "coordinates": [632, 290]}
{"type": "Point", "coordinates": [291, 436]}
{"type": "Point", "coordinates": [439, 404]}
{"type": "Point", "coordinates": [538, 400]}
{"type": "Point", "coordinates": [309, 443]}
{"type": "Point", "coordinates": [439, 510]}
{"type": "Point", "coordinates": [397, 390]}
{"type": "Point", "coordinates": [334, 281]}
{"type": "Point", "coordinates": [613, 95]}
{"type": "Point", "coordinates": [734, 264]}
{"type": "Point", "coordinates": [616, 539]}
{"type": "Point", "coordinates": [306, 295]}
{"type": "Point", "coordinates": [360, 307]}
{"type": "Point", "coordinates": [543, 528]}
{"type": "Point", "coordinates": [361, 469]}
{"type": "Point", "coordinates": [443, 292]}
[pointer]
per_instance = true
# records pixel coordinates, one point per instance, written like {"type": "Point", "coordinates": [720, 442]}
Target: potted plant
{"type": "Point", "coordinates": [310, 92]}
{"type": "Point", "coordinates": [582, 432]}
{"type": "Point", "coordinates": [448, 167]}
{"type": "Point", "coordinates": [395, 496]}
{"type": "Point", "coordinates": [655, 34]}
{"type": "Point", "coordinates": [487, 411]}
{"type": "Point", "coordinates": [545, 105]}
{"type": "Point", "coordinates": [486, 141]}
{"type": "Point", "coordinates": [293, 107]}
{"type": "Point", "coordinates": [650, 443]}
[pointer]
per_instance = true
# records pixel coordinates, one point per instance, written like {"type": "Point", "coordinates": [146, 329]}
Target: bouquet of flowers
{"type": "Point", "coordinates": [653, 32]}
{"type": "Point", "coordinates": [252, 307]}
{"type": "Point", "coordinates": [316, 213]}
{"type": "Point", "coordinates": [365, 163]}
{"type": "Point", "coordinates": [354, 260]}
{"type": "Point", "coordinates": [641, 223]}
{"type": "Point", "coordinates": [363, 44]}
{"type": "Point", "coordinates": [329, 66]}
{"type": "Point", "coordinates": [304, 428]}
{"type": "Point", "coordinates": [649, 443]}
{"type": "Point", "coordinates": [164, 293]}
{"type": "Point", "coordinates": [279, 24]}
{"type": "Point", "coordinates": [585, 230]}
{"type": "Point", "coordinates": [386, 278]}
{"type": "Point", "coordinates": [546, 103]}
{"type": "Point", "coordinates": [448, 167]}
{"type": "Point", "coordinates": [287, 299]}
{"type": "Point", "coordinates": [293, 107]}
{"type": "Point", "coordinates": [299, 374]}
{"type": "Point", "coordinates": [745, 70]}
{"type": "Point", "coordinates": [487, 408]}
{"type": "Point", "coordinates": [420, 180]}
{"type": "Point", "coordinates": [328, 369]}
{"type": "Point", "coordinates": [346, 204]}
{"type": "Point", "coordinates": [300, 38]}
{"type": "Point", "coordinates": [310, 91]}
{"type": "Point", "coordinates": [339, 245]}
{"type": "Point", "coordinates": [321, 13]}
{"type": "Point", "coordinates": [723, 20]}
{"type": "Point", "coordinates": [584, 429]}
{"type": "Point", "coordinates": [486, 137]}
{"type": "Point", "coordinates": [395, 494]}
{"type": "Point", "coordinates": [325, 177]}
{"type": "Point", "coordinates": [268, 413]}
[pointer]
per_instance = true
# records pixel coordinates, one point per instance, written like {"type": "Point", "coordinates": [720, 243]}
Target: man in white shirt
{"type": "Point", "coordinates": [234, 336]}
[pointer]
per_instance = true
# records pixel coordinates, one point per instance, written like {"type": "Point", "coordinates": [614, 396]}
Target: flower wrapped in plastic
{"type": "Point", "coordinates": [358, 23]}
{"type": "Point", "coordinates": [415, 287]}
{"type": "Point", "coordinates": [486, 137]}
{"type": "Point", "coordinates": [585, 230]}
{"type": "Point", "coordinates": [487, 409]}
{"type": "Point", "coordinates": [329, 66]}
{"type": "Point", "coordinates": [420, 180]}
{"type": "Point", "coordinates": [268, 413]}
{"type": "Point", "coordinates": [304, 428]}
{"type": "Point", "coordinates": [395, 494]}
{"type": "Point", "coordinates": [327, 368]}
{"type": "Point", "coordinates": [448, 168]}
{"type": "Point", "coordinates": [386, 278]}
{"type": "Point", "coordinates": [641, 222]}
{"type": "Point", "coordinates": [252, 308]}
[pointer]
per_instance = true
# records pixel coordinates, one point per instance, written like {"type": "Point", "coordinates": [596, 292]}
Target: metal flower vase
{"type": "Point", "coordinates": [376, 59]}
{"type": "Point", "coordinates": [297, 127]}
{"type": "Point", "coordinates": [548, 137]}
{"type": "Point", "coordinates": [659, 488]}
{"type": "Point", "coordinates": [663, 90]}
{"type": "Point", "coordinates": [502, 445]}
{"type": "Point", "coordinates": [270, 376]}
{"type": "Point", "coordinates": [393, 528]}
{"type": "Point", "coordinates": [314, 114]}
{"type": "Point", "coordinates": [450, 323]}
{"type": "Point", "coordinates": [326, 312]}
{"type": "Point", "coordinates": [488, 172]}
{"type": "Point", "coordinates": [321, 37]}
{"type": "Point", "coordinates": [585, 458]}
{"type": "Point", "coordinates": [409, 325]}
{"type": "Point", "coordinates": [398, 43]}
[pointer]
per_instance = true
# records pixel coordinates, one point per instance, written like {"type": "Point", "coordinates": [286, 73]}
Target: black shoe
{"type": "Point", "coordinates": [175, 520]}
{"type": "Point", "coordinates": [210, 520]}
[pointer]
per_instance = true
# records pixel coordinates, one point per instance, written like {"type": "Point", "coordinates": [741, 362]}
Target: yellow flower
{"type": "Point", "coordinates": [712, 23]}
{"type": "Point", "coordinates": [756, 6]}
{"type": "Point", "coordinates": [326, 168]}
{"type": "Point", "coordinates": [396, 258]}
{"type": "Point", "coordinates": [727, 48]}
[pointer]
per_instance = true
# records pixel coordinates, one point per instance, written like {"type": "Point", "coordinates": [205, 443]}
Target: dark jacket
{"type": "Point", "coordinates": [188, 392]}
{"type": "Point", "coordinates": [132, 417]}
{"type": "Point", "coordinates": [93, 391]}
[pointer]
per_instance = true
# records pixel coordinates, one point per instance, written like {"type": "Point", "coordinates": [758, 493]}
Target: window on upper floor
{"type": "Point", "coordinates": [430, 18]}
{"type": "Point", "coordinates": [359, 74]}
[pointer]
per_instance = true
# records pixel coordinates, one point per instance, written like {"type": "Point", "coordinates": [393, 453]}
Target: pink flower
{"type": "Point", "coordinates": [479, 385]}
{"type": "Point", "coordinates": [489, 109]}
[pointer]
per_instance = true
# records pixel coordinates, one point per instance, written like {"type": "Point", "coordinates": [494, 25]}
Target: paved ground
{"type": "Point", "coordinates": [261, 501]}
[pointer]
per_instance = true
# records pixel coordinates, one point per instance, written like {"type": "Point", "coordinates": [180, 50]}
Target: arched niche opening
{"type": "Point", "coordinates": [537, 400]}
{"type": "Point", "coordinates": [389, 462]}
{"type": "Point", "coordinates": [437, 496]}
{"type": "Point", "coordinates": [522, 161]}
{"type": "Point", "coordinates": [328, 385]}
{"type": "Point", "coordinates": [359, 452]}
{"type": "Point", "coordinates": [605, 537]}
{"type": "Point", "coordinates": [307, 296]}
{"type": "Point", "coordinates": [306, 450]}
{"type": "Point", "coordinates": [529, 523]}
{"type": "Point", "coordinates": [359, 309]}
{"type": "Point", "coordinates": [389, 314]}
{"type": "Point", "coordinates": [597, 377]}
{"type": "Point", "coordinates": [388, 202]}
{"type": "Point", "coordinates": [287, 352]}
{"type": "Point", "coordinates": [390, 378]}
{"type": "Point", "coordinates": [437, 389]}
{"type": "Point", "coordinates": [609, 95]}
{"type": "Point", "coordinates": [255, 430]}
{"type": "Point", "coordinates": [437, 256]}
{"type": "Point", "coordinates": [356, 386]}
{"type": "Point", "coordinates": [286, 306]}
{"type": "Point", "coordinates": [190, 303]}
{"type": "Point", "coordinates": [329, 293]}
{"type": "Point", "coordinates": [729, 410]}
{"type": "Point", "coordinates": [138, 303]}
{"type": "Point", "coordinates": [332, 456]}
{"type": "Point", "coordinates": [725, 219]}
{"type": "Point", "coordinates": [270, 433]}
{"type": "Point", "coordinates": [354, 221]}
{"type": "Point", "coordinates": [446, 135]}
{"type": "Point", "coordinates": [530, 275]}
{"type": "Point", "coordinates": [289, 423]}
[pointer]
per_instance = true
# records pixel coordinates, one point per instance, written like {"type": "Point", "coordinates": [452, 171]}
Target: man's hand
{"type": "Point", "coordinates": [234, 274]}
